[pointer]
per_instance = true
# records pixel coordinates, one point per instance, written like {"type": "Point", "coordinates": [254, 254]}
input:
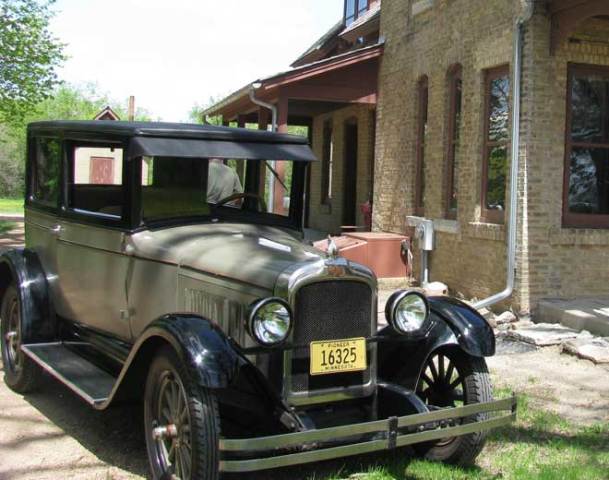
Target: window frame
{"type": "Point", "coordinates": [491, 74]}
{"type": "Point", "coordinates": [455, 76]}
{"type": "Point", "coordinates": [358, 11]}
{"type": "Point", "coordinates": [96, 218]}
{"type": "Point", "coordinates": [422, 124]}
{"type": "Point", "coordinates": [30, 200]}
{"type": "Point", "coordinates": [571, 219]}
{"type": "Point", "coordinates": [327, 162]}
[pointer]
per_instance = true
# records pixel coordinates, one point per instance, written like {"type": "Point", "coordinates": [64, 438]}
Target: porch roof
{"type": "Point", "coordinates": [568, 14]}
{"type": "Point", "coordinates": [330, 80]}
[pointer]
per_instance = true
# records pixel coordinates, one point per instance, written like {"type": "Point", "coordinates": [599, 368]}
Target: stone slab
{"type": "Point", "coordinates": [545, 334]}
{"type": "Point", "coordinates": [594, 349]}
{"type": "Point", "coordinates": [591, 314]}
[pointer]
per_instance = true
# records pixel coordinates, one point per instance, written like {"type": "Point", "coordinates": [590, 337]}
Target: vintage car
{"type": "Point", "coordinates": [165, 263]}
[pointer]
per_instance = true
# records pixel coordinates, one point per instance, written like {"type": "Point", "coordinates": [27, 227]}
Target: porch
{"type": "Point", "coordinates": [335, 100]}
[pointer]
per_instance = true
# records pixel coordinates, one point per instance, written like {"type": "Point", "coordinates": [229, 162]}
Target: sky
{"type": "Point", "coordinates": [174, 54]}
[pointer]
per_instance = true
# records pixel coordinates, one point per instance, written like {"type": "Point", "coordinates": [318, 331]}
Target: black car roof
{"type": "Point", "coordinates": [163, 129]}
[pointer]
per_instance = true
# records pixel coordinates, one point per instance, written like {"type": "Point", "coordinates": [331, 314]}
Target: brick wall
{"type": "Point", "coordinates": [561, 262]}
{"type": "Point", "coordinates": [329, 217]}
{"type": "Point", "coordinates": [471, 255]}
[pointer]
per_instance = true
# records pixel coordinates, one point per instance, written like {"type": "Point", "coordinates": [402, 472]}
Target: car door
{"type": "Point", "coordinates": [92, 266]}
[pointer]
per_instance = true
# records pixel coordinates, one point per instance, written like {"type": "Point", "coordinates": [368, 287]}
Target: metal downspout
{"type": "Point", "coordinates": [513, 214]}
{"type": "Point", "coordinates": [260, 103]}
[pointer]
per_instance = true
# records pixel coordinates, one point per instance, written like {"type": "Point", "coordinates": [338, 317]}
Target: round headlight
{"type": "Point", "coordinates": [407, 312]}
{"type": "Point", "coordinates": [270, 321]}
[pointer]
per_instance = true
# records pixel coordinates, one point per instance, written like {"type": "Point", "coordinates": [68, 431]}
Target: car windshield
{"type": "Point", "coordinates": [176, 187]}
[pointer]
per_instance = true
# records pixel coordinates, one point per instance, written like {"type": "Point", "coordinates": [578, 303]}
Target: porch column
{"type": "Point", "coordinates": [241, 163]}
{"type": "Point", "coordinates": [263, 124]}
{"type": "Point", "coordinates": [282, 127]}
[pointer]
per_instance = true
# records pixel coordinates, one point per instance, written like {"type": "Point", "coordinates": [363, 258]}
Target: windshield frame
{"type": "Point", "coordinates": [293, 221]}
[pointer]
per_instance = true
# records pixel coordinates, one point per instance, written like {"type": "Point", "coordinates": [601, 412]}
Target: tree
{"type": "Point", "coordinates": [29, 56]}
{"type": "Point", "coordinates": [66, 102]}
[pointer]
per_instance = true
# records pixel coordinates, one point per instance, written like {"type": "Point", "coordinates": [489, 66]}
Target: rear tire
{"type": "Point", "coordinates": [20, 373]}
{"type": "Point", "coordinates": [453, 379]}
{"type": "Point", "coordinates": [181, 422]}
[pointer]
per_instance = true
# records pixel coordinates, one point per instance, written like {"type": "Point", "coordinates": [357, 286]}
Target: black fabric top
{"type": "Point", "coordinates": [184, 140]}
{"type": "Point", "coordinates": [191, 148]}
{"type": "Point", "coordinates": [161, 129]}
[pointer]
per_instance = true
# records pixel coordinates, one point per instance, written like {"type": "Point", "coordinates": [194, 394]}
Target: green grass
{"type": "Point", "coordinates": [539, 445]}
{"type": "Point", "coordinates": [11, 205]}
{"type": "Point", "coordinates": [6, 227]}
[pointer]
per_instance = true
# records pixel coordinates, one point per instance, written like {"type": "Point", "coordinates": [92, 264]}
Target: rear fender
{"type": "Point", "coordinates": [23, 268]}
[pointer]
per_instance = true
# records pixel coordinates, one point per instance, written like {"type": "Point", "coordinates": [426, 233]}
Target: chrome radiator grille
{"type": "Point", "coordinates": [329, 311]}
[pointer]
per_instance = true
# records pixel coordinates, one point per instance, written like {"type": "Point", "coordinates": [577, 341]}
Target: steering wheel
{"type": "Point", "coordinates": [237, 196]}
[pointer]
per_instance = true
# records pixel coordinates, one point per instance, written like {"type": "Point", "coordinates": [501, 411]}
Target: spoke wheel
{"type": "Point", "coordinates": [171, 427]}
{"type": "Point", "coordinates": [182, 427]}
{"type": "Point", "coordinates": [453, 379]}
{"type": "Point", "coordinates": [20, 373]}
{"type": "Point", "coordinates": [12, 337]}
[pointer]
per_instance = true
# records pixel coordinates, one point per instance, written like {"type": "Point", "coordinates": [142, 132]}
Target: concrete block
{"type": "Point", "coordinates": [594, 349]}
{"type": "Point", "coordinates": [545, 334]}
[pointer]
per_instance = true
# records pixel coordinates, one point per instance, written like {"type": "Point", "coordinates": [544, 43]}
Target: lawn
{"type": "Point", "coordinates": [11, 205]}
{"type": "Point", "coordinates": [6, 227]}
{"type": "Point", "coordinates": [540, 445]}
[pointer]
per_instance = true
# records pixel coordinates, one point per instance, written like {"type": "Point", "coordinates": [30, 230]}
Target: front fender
{"type": "Point", "coordinates": [23, 267]}
{"type": "Point", "coordinates": [204, 349]}
{"type": "Point", "coordinates": [474, 334]}
{"type": "Point", "coordinates": [454, 325]}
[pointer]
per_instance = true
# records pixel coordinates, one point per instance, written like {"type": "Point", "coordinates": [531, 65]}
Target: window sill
{"type": "Point", "coordinates": [420, 6]}
{"type": "Point", "coordinates": [447, 226]}
{"type": "Point", "coordinates": [486, 231]}
{"type": "Point", "coordinates": [578, 236]}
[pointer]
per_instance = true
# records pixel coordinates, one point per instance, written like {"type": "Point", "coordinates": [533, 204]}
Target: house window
{"type": "Point", "coordinates": [355, 9]}
{"type": "Point", "coordinates": [455, 88]}
{"type": "Point", "coordinates": [422, 115]}
{"type": "Point", "coordinates": [586, 187]}
{"type": "Point", "coordinates": [496, 139]}
{"type": "Point", "coordinates": [327, 161]}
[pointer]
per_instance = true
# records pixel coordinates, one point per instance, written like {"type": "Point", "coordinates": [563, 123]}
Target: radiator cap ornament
{"type": "Point", "coordinates": [332, 248]}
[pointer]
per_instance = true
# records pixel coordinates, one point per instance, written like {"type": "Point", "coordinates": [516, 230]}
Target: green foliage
{"type": "Point", "coordinates": [195, 115]}
{"type": "Point", "coordinates": [67, 102]}
{"type": "Point", "coordinates": [29, 56]}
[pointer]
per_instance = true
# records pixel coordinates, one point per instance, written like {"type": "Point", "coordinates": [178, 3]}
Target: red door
{"type": "Point", "coordinates": [101, 171]}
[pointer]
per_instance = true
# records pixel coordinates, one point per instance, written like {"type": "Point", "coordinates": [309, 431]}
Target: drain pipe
{"type": "Point", "coordinates": [260, 103]}
{"type": "Point", "coordinates": [513, 214]}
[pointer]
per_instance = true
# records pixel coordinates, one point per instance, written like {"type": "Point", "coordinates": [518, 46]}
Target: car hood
{"type": "Point", "coordinates": [253, 254]}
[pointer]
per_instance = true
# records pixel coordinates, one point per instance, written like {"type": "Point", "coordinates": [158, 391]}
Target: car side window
{"type": "Point", "coordinates": [46, 170]}
{"type": "Point", "coordinates": [95, 182]}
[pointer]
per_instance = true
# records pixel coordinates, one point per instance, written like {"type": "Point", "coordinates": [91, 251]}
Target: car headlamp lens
{"type": "Point", "coordinates": [270, 322]}
{"type": "Point", "coordinates": [408, 312]}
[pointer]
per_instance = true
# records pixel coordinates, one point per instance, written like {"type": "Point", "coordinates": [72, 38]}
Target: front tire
{"type": "Point", "coordinates": [453, 379]}
{"type": "Point", "coordinates": [20, 373]}
{"type": "Point", "coordinates": [181, 422]}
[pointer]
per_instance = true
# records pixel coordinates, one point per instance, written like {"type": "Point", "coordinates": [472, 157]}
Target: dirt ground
{"type": "Point", "coordinates": [575, 389]}
{"type": "Point", "coordinates": [53, 434]}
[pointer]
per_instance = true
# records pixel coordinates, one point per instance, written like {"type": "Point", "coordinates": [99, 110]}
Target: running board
{"type": "Point", "coordinates": [88, 381]}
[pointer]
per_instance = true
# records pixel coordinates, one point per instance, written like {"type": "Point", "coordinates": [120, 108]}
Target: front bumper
{"type": "Point", "coordinates": [390, 433]}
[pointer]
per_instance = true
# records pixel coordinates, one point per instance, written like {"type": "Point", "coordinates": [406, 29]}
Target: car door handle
{"type": "Point", "coordinates": [56, 230]}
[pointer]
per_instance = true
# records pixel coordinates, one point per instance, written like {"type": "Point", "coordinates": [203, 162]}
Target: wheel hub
{"type": "Point", "coordinates": [165, 432]}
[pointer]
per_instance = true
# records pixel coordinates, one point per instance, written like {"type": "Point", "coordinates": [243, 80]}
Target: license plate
{"type": "Point", "coordinates": [338, 356]}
